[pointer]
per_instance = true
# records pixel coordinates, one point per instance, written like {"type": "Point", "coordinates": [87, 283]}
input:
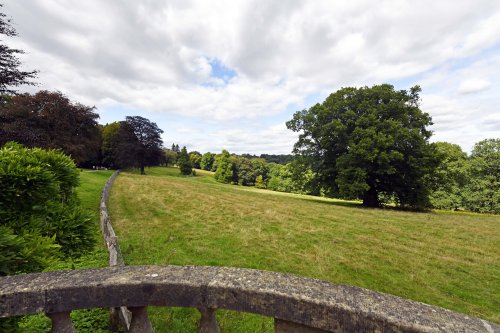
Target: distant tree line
{"type": "Point", "coordinates": [460, 181]}
{"type": "Point", "coordinates": [270, 158]}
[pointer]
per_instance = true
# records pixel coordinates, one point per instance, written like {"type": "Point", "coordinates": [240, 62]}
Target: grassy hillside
{"type": "Point", "coordinates": [442, 258]}
{"type": "Point", "coordinates": [92, 320]}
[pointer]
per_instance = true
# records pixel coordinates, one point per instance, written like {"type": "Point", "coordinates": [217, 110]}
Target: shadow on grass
{"type": "Point", "coordinates": [354, 204]}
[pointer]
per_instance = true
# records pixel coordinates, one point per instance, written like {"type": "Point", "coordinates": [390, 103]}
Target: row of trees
{"type": "Point", "coordinates": [50, 120]}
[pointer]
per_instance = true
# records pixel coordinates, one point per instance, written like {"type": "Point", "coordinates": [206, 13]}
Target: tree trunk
{"type": "Point", "coordinates": [142, 170]}
{"type": "Point", "coordinates": [370, 199]}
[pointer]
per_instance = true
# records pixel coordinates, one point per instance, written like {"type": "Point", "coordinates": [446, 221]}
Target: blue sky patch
{"type": "Point", "coordinates": [221, 71]}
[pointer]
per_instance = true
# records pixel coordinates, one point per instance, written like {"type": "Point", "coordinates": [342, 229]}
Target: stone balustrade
{"type": "Point", "coordinates": [297, 304]}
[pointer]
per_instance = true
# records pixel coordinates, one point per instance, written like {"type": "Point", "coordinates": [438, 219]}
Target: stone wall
{"type": "Point", "coordinates": [298, 304]}
{"type": "Point", "coordinates": [110, 239]}
{"type": "Point", "coordinates": [120, 316]}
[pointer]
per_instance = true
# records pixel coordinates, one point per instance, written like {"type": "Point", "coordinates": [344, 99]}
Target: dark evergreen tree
{"type": "Point", "coordinates": [184, 162]}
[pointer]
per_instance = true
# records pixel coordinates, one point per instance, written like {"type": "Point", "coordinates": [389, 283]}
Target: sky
{"type": "Point", "coordinates": [228, 74]}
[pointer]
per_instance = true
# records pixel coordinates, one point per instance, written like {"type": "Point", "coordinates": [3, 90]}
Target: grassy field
{"type": "Point", "coordinates": [93, 320]}
{"type": "Point", "coordinates": [442, 258]}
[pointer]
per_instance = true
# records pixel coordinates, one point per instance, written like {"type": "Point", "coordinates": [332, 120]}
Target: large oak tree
{"type": "Point", "coordinates": [369, 143]}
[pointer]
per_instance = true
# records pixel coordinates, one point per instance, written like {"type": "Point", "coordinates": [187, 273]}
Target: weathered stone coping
{"type": "Point", "coordinates": [110, 239]}
{"type": "Point", "coordinates": [288, 298]}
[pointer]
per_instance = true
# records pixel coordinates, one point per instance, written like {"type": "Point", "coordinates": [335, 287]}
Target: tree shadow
{"type": "Point", "coordinates": [358, 204]}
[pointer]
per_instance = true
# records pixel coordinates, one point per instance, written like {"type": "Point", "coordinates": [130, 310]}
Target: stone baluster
{"type": "Point", "coordinates": [61, 322]}
{"type": "Point", "coordinates": [208, 321]}
{"type": "Point", "coordinates": [140, 322]}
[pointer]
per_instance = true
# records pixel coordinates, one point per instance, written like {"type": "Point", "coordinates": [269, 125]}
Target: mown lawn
{"type": "Point", "coordinates": [93, 320]}
{"type": "Point", "coordinates": [442, 258]}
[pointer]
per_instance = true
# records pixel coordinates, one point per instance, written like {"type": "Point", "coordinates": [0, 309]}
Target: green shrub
{"type": "Point", "coordinates": [40, 220]}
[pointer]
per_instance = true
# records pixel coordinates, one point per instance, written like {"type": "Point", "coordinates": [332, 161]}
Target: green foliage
{"type": "Point", "coordinates": [195, 158]}
{"type": "Point", "coordinates": [217, 157]}
{"type": "Point", "coordinates": [365, 142]}
{"type": "Point", "coordinates": [184, 162]}
{"type": "Point", "coordinates": [50, 120]}
{"type": "Point", "coordinates": [207, 161]}
{"type": "Point", "coordinates": [280, 178]}
{"type": "Point", "coordinates": [170, 157]}
{"type": "Point", "coordinates": [39, 216]}
{"type": "Point", "coordinates": [93, 320]}
{"type": "Point", "coordinates": [25, 251]}
{"type": "Point", "coordinates": [146, 149]}
{"type": "Point", "coordinates": [278, 159]}
{"type": "Point", "coordinates": [109, 133]}
{"type": "Point", "coordinates": [225, 167]}
{"type": "Point", "coordinates": [133, 143]}
{"type": "Point", "coordinates": [261, 168]}
{"type": "Point", "coordinates": [482, 192]}
{"type": "Point", "coordinates": [450, 177]}
{"type": "Point", "coordinates": [244, 173]}
{"type": "Point", "coordinates": [259, 182]}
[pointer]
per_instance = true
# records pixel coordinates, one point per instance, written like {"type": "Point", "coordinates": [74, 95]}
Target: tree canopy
{"type": "Point", "coordinates": [207, 161]}
{"type": "Point", "coordinates": [50, 120]}
{"type": "Point", "coordinates": [225, 168]}
{"type": "Point", "coordinates": [369, 143]}
{"type": "Point", "coordinates": [451, 176]}
{"type": "Point", "coordinates": [135, 142]}
{"type": "Point", "coordinates": [482, 191]}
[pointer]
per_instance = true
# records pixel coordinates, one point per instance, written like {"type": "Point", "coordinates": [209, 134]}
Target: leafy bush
{"type": "Point", "coordinates": [40, 220]}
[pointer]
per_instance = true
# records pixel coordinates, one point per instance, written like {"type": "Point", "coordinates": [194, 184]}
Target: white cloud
{"type": "Point", "coordinates": [469, 86]}
{"type": "Point", "coordinates": [155, 55]}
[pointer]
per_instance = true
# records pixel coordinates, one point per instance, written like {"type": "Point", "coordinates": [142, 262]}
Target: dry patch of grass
{"type": "Point", "coordinates": [446, 259]}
